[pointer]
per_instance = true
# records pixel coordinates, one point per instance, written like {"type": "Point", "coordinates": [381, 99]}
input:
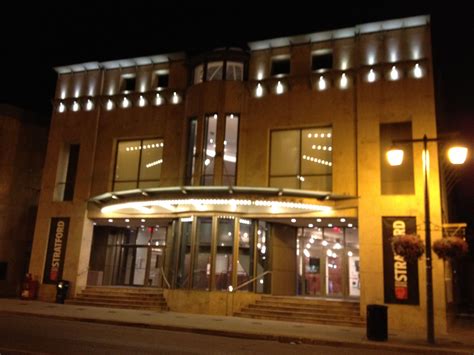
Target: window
{"type": "Point", "coordinates": [161, 80]}
{"type": "Point", "coordinates": [3, 270]}
{"type": "Point", "coordinates": [301, 159]}
{"type": "Point", "coordinates": [396, 179]}
{"type": "Point", "coordinates": [224, 253]}
{"type": "Point", "coordinates": [218, 148]}
{"type": "Point", "coordinates": [321, 61]}
{"type": "Point", "coordinates": [230, 149]}
{"type": "Point", "coordinates": [214, 71]}
{"type": "Point", "coordinates": [66, 173]}
{"type": "Point", "coordinates": [234, 71]}
{"type": "Point", "coordinates": [209, 153]}
{"type": "Point", "coordinates": [138, 164]}
{"type": "Point", "coordinates": [202, 259]}
{"type": "Point", "coordinates": [128, 84]}
{"type": "Point", "coordinates": [198, 74]}
{"type": "Point", "coordinates": [280, 66]}
{"type": "Point", "coordinates": [191, 152]}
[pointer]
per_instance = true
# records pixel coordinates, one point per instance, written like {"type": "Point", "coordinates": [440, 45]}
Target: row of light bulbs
{"type": "Point", "coordinates": [323, 82]}
{"type": "Point", "coordinates": [126, 102]}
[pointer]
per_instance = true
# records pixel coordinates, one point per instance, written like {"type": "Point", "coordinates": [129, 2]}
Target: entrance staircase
{"type": "Point", "coordinates": [121, 297]}
{"type": "Point", "coordinates": [305, 310]}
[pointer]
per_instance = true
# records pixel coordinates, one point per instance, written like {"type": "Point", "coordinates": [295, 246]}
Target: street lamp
{"type": "Point", "coordinates": [457, 155]}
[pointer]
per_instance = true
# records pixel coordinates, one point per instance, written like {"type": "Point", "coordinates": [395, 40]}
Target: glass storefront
{"type": "Point", "coordinates": [212, 253]}
{"type": "Point", "coordinates": [328, 262]}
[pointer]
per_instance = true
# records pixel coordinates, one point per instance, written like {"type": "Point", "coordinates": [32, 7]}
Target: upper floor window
{"type": "Point", "coordinates": [161, 80]}
{"type": "Point", "coordinates": [138, 164]}
{"type": "Point", "coordinates": [218, 163]}
{"type": "Point", "coordinates": [301, 159]}
{"type": "Point", "coordinates": [321, 61]}
{"type": "Point", "coordinates": [234, 71]}
{"type": "Point", "coordinates": [396, 180]}
{"type": "Point", "coordinates": [214, 71]}
{"type": "Point", "coordinates": [218, 70]}
{"type": "Point", "coordinates": [128, 84]}
{"type": "Point", "coordinates": [66, 173]}
{"type": "Point", "coordinates": [280, 66]}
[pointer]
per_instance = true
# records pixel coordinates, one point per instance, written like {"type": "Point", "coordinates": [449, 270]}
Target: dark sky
{"type": "Point", "coordinates": [35, 38]}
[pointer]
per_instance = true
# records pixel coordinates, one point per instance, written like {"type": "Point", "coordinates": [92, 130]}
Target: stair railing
{"type": "Point", "coordinates": [232, 289]}
{"type": "Point", "coordinates": [164, 277]}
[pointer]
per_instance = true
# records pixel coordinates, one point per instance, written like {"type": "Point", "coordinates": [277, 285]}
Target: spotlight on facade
{"type": "Point", "coordinates": [417, 72]}
{"type": "Point", "coordinates": [343, 81]}
{"type": "Point", "coordinates": [321, 83]}
{"type": "Point", "coordinates": [89, 105]}
{"type": "Point", "coordinates": [141, 101]}
{"type": "Point", "coordinates": [75, 106]}
{"type": "Point", "coordinates": [110, 105]}
{"type": "Point", "coordinates": [61, 107]}
{"type": "Point", "coordinates": [279, 88]}
{"type": "Point", "coordinates": [394, 73]}
{"type": "Point", "coordinates": [259, 90]}
{"type": "Point", "coordinates": [125, 103]}
{"type": "Point", "coordinates": [158, 100]}
{"type": "Point", "coordinates": [175, 99]}
{"type": "Point", "coordinates": [371, 76]}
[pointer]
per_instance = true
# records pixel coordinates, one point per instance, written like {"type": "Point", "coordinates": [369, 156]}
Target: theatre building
{"type": "Point", "coordinates": [235, 173]}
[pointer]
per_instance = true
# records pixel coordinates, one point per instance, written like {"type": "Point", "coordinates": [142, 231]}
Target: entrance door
{"type": "Point", "coordinates": [132, 268]}
{"type": "Point", "coordinates": [328, 262]}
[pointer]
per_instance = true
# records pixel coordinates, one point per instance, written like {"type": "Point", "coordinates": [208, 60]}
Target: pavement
{"type": "Point", "coordinates": [458, 341]}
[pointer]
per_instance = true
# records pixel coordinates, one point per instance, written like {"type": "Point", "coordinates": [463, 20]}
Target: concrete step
{"type": "Point", "coordinates": [309, 307]}
{"type": "Point", "coordinates": [306, 301]}
{"type": "Point", "coordinates": [299, 314]}
{"type": "Point", "coordinates": [118, 300]}
{"type": "Point", "coordinates": [115, 305]}
{"type": "Point", "coordinates": [122, 295]}
{"type": "Point", "coordinates": [327, 321]}
{"type": "Point", "coordinates": [124, 290]}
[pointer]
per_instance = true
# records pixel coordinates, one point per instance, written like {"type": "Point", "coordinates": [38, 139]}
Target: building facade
{"type": "Point", "coordinates": [23, 137]}
{"type": "Point", "coordinates": [258, 170]}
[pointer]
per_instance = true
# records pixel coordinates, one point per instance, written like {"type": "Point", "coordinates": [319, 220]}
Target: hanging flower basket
{"type": "Point", "coordinates": [409, 246]}
{"type": "Point", "coordinates": [450, 247]}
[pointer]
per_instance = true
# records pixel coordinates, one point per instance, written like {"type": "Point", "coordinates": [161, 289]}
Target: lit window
{"type": "Point", "coordinates": [234, 71]}
{"type": "Point", "coordinates": [296, 162]}
{"type": "Point", "coordinates": [198, 74]}
{"type": "Point", "coordinates": [138, 164]}
{"type": "Point", "coordinates": [214, 71]}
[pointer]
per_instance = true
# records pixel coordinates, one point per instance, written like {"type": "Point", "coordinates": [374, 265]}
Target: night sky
{"type": "Point", "coordinates": [35, 39]}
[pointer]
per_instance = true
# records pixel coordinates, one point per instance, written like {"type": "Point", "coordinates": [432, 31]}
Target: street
{"type": "Point", "coordinates": [27, 334]}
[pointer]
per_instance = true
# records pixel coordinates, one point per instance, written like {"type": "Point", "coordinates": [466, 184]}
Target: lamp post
{"type": "Point", "coordinates": [457, 155]}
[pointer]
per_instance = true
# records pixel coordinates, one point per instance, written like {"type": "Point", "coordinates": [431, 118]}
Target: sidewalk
{"type": "Point", "coordinates": [458, 343]}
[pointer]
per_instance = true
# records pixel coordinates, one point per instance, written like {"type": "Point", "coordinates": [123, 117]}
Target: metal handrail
{"type": "Point", "coordinates": [249, 281]}
{"type": "Point", "coordinates": [164, 277]}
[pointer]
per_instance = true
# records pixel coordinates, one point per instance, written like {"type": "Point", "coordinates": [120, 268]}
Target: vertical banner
{"type": "Point", "coordinates": [53, 270]}
{"type": "Point", "coordinates": [400, 277]}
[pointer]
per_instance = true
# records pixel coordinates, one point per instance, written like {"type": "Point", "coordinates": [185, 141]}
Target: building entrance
{"type": "Point", "coordinates": [128, 257]}
{"type": "Point", "coordinates": [328, 262]}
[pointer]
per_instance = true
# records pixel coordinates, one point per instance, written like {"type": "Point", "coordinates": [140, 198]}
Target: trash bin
{"type": "Point", "coordinates": [377, 322]}
{"type": "Point", "coordinates": [62, 288]}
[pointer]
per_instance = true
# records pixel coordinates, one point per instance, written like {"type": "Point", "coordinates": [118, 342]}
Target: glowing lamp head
{"type": "Point", "coordinates": [395, 157]}
{"type": "Point", "coordinates": [457, 155]}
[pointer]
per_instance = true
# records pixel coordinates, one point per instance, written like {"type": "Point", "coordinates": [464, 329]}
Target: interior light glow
{"type": "Point", "coordinates": [394, 73]}
{"type": "Point", "coordinates": [318, 219]}
{"type": "Point", "coordinates": [310, 225]}
{"type": "Point", "coordinates": [293, 220]}
{"type": "Point", "coordinates": [349, 253]}
{"type": "Point", "coordinates": [350, 225]}
{"type": "Point", "coordinates": [371, 76]}
{"type": "Point", "coordinates": [395, 157]}
{"type": "Point", "coordinates": [417, 71]}
{"type": "Point", "coordinates": [127, 220]}
{"type": "Point", "coordinates": [110, 220]}
{"type": "Point", "coordinates": [342, 220]}
{"type": "Point", "coordinates": [324, 243]}
{"type": "Point", "coordinates": [306, 253]}
{"type": "Point", "coordinates": [259, 90]}
{"type": "Point", "coordinates": [321, 83]}
{"type": "Point", "coordinates": [343, 81]}
{"type": "Point", "coordinates": [457, 155]}
{"type": "Point", "coordinates": [329, 252]}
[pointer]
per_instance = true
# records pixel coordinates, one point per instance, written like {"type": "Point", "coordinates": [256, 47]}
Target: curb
{"type": "Point", "coordinates": [363, 344]}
